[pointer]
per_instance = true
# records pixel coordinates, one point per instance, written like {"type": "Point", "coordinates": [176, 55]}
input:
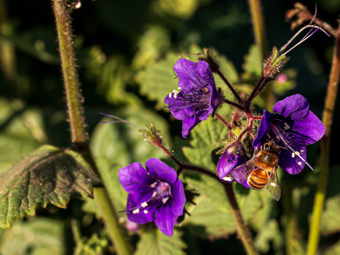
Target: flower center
{"type": "Point", "coordinates": [160, 195]}
{"type": "Point", "coordinates": [198, 99]}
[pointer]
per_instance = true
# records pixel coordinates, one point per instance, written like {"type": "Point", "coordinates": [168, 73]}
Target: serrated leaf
{"type": "Point", "coordinates": [269, 232]}
{"type": "Point", "coordinates": [156, 243]}
{"type": "Point", "coordinates": [212, 214]}
{"type": "Point", "coordinates": [158, 79]}
{"type": "Point", "coordinates": [253, 63]}
{"type": "Point", "coordinates": [48, 175]}
{"type": "Point", "coordinates": [39, 236]}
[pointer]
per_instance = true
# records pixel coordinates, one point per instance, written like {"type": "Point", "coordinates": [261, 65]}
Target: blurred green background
{"type": "Point", "coordinates": [119, 45]}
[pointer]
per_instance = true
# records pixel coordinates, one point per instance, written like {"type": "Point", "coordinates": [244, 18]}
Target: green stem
{"type": "Point", "coordinates": [7, 53]}
{"type": "Point", "coordinates": [241, 226]}
{"type": "Point", "coordinates": [261, 42]}
{"type": "Point", "coordinates": [327, 118]}
{"type": "Point", "coordinates": [79, 135]}
{"type": "Point", "coordinates": [70, 76]}
{"type": "Point", "coordinates": [290, 222]}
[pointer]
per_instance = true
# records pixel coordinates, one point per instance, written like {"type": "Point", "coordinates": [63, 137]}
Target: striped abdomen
{"type": "Point", "coordinates": [258, 178]}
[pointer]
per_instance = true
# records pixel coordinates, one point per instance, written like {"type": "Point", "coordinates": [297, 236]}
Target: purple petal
{"type": "Point", "coordinates": [193, 76]}
{"type": "Point", "coordinates": [310, 127]}
{"type": "Point", "coordinates": [188, 125]}
{"type": "Point", "coordinates": [161, 171]}
{"type": "Point", "coordinates": [263, 129]}
{"type": "Point", "coordinates": [180, 109]}
{"type": "Point", "coordinates": [133, 178]}
{"type": "Point", "coordinates": [165, 220]}
{"type": "Point", "coordinates": [240, 174]}
{"type": "Point", "coordinates": [178, 198]}
{"type": "Point", "coordinates": [141, 217]}
{"type": "Point", "coordinates": [229, 161]}
{"type": "Point", "coordinates": [293, 165]}
{"type": "Point", "coordinates": [293, 107]}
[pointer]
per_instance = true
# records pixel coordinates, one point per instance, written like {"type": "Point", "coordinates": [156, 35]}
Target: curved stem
{"type": "Point", "coordinates": [229, 86]}
{"type": "Point", "coordinates": [79, 135]}
{"type": "Point", "coordinates": [223, 120]}
{"type": "Point", "coordinates": [327, 118]}
{"type": "Point", "coordinates": [242, 228]}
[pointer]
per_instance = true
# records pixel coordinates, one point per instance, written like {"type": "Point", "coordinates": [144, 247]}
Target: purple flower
{"type": "Point", "coordinates": [155, 194]}
{"type": "Point", "coordinates": [233, 157]}
{"type": "Point", "coordinates": [197, 98]}
{"type": "Point", "coordinates": [292, 126]}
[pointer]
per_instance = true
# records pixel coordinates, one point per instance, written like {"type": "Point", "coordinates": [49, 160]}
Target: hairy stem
{"type": "Point", "coordinates": [327, 118]}
{"type": "Point", "coordinates": [70, 76]}
{"type": "Point", "coordinates": [79, 135]}
{"type": "Point", "coordinates": [242, 228]}
{"type": "Point", "coordinates": [239, 100]}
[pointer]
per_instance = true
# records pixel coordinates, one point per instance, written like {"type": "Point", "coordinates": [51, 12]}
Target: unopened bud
{"type": "Point", "coordinates": [274, 63]}
{"type": "Point", "coordinates": [152, 135]}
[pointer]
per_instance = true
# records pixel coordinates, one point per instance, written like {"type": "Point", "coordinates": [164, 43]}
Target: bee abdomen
{"type": "Point", "coordinates": [257, 179]}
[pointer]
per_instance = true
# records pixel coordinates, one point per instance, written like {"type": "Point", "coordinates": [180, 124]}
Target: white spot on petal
{"type": "Point", "coordinates": [153, 185]}
{"type": "Point", "coordinates": [164, 200]}
{"type": "Point", "coordinates": [228, 178]}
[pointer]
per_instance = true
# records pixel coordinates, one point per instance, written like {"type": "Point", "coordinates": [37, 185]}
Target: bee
{"type": "Point", "coordinates": [260, 172]}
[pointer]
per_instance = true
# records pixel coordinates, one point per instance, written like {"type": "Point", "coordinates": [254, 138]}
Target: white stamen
{"type": "Point", "coordinates": [285, 126]}
{"type": "Point", "coordinates": [164, 200]}
{"type": "Point", "coordinates": [170, 95]}
{"type": "Point", "coordinates": [154, 194]}
{"type": "Point", "coordinates": [227, 178]}
{"type": "Point", "coordinates": [297, 153]}
{"type": "Point", "coordinates": [146, 211]}
{"type": "Point", "coordinates": [153, 185]}
{"type": "Point", "coordinates": [135, 211]}
{"type": "Point", "coordinates": [299, 163]}
{"type": "Point", "coordinates": [293, 155]}
{"type": "Point", "coordinates": [144, 204]}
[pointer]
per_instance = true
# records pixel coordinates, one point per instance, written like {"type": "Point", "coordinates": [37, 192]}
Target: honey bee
{"type": "Point", "coordinates": [260, 172]}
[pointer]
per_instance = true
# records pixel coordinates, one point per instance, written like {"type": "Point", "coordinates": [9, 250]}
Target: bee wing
{"type": "Point", "coordinates": [241, 172]}
{"type": "Point", "coordinates": [273, 186]}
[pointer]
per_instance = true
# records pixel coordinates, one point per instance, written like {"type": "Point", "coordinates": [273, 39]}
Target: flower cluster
{"type": "Point", "coordinates": [292, 126]}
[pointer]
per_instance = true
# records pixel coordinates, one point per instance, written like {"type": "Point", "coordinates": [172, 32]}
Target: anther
{"type": "Point", "coordinates": [293, 155]}
{"type": "Point", "coordinates": [299, 163]}
{"type": "Point", "coordinates": [227, 178]}
{"type": "Point", "coordinates": [153, 185]}
{"type": "Point", "coordinates": [146, 211]}
{"type": "Point", "coordinates": [164, 200]}
{"type": "Point", "coordinates": [144, 204]}
{"type": "Point", "coordinates": [135, 211]}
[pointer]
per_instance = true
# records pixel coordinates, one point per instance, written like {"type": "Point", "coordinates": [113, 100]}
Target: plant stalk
{"type": "Point", "coordinates": [241, 226]}
{"type": "Point", "coordinates": [327, 119]}
{"type": "Point", "coordinates": [79, 135]}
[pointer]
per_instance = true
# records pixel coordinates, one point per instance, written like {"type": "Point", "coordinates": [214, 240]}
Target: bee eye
{"type": "Point", "coordinates": [267, 147]}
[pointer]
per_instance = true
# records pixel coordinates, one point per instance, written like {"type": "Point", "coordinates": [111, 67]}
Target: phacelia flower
{"type": "Point", "coordinates": [292, 126]}
{"type": "Point", "coordinates": [233, 157]}
{"type": "Point", "coordinates": [197, 97]}
{"type": "Point", "coordinates": [155, 194]}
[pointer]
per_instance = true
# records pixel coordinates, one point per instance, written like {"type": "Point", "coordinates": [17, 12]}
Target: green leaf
{"type": "Point", "coordinates": [156, 243]}
{"type": "Point", "coordinates": [48, 175]}
{"type": "Point", "coordinates": [253, 63]}
{"type": "Point", "coordinates": [158, 79]}
{"type": "Point", "coordinates": [269, 232]}
{"type": "Point", "coordinates": [95, 245]}
{"type": "Point", "coordinates": [333, 250]}
{"type": "Point", "coordinates": [116, 145]}
{"type": "Point", "coordinates": [39, 236]}
{"type": "Point", "coordinates": [330, 222]}
{"type": "Point", "coordinates": [212, 214]}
